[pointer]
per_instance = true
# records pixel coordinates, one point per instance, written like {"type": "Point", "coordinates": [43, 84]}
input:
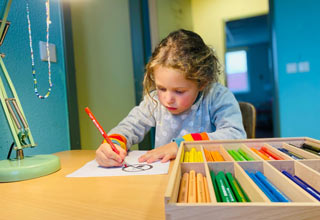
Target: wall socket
{"type": "Point", "coordinates": [301, 67]}
{"type": "Point", "coordinates": [43, 52]}
{"type": "Point", "coordinates": [291, 67]}
{"type": "Point", "coordinates": [304, 67]}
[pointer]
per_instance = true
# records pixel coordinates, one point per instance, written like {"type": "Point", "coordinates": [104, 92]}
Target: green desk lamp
{"type": "Point", "coordinates": [22, 167]}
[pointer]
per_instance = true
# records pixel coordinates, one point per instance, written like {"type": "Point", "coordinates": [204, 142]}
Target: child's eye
{"type": "Point", "coordinates": [179, 92]}
{"type": "Point", "coordinates": [161, 89]}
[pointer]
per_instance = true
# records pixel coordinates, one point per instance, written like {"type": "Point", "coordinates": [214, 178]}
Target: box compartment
{"type": "Point", "coordinates": [303, 205]}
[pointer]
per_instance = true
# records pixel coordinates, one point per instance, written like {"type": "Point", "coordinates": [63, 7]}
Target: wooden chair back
{"type": "Point", "coordinates": [248, 112]}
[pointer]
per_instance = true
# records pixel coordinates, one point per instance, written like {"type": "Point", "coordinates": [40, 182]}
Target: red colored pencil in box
{"type": "Point", "coordinates": [273, 155]}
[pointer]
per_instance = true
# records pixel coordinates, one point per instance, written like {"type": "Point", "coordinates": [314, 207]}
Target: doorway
{"type": "Point", "coordinates": [248, 67]}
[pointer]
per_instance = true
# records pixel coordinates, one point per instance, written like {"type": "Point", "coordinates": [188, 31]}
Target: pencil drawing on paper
{"type": "Point", "coordinates": [137, 167]}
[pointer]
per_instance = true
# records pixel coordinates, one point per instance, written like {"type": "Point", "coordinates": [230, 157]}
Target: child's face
{"type": "Point", "coordinates": [175, 92]}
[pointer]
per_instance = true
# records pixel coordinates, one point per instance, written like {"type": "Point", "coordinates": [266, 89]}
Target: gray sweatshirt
{"type": "Point", "coordinates": [216, 112]}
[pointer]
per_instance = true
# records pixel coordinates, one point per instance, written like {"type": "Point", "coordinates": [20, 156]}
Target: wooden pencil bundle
{"type": "Point", "coordinates": [193, 188]}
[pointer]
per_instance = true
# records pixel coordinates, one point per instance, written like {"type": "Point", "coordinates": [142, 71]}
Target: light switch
{"type": "Point", "coordinates": [304, 67]}
{"type": "Point", "coordinates": [43, 51]}
{"type": "Point", "coordinates": [291, 67]}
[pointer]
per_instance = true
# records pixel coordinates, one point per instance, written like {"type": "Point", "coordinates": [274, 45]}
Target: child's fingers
{"type": "Point", "coordinates": [106, 157]}
{"type": "Point", "coordinates": [123, 152]}
{"type": "Point", "coordinates": [146, 156]}
{"type": "Point", "coordinates": [155, 156]}
{"type": "Point", "coordinates": [106, 162]}
{"type": "Point", "coordinates": [143, 158]}
{"type": "Point", "coordinates": [166, 158]}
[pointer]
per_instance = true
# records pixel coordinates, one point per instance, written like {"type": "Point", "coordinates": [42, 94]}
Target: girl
{"type": "Point", "coordinates": [182, 100]}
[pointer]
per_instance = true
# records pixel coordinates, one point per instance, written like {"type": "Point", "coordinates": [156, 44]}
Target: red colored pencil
{"type": "Point", "coordinates": [104, 134]}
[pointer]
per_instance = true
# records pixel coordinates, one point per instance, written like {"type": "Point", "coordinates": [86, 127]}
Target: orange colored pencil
{"type": "Point", "coordinates": [208, 156]}
{"type": "Point", "coordinates": [216, 156]}
{"type": "Point", "coordinates": [260, 154]}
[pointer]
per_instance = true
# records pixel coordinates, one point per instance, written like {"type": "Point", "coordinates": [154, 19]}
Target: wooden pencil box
{"type": "Point", "coordinates": [302, 205]}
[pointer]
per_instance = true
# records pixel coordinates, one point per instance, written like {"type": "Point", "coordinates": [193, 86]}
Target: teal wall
{"type": "Point", "coordinates": [48, 119]}
{"type": "Point", "coordinates": [296, 34]}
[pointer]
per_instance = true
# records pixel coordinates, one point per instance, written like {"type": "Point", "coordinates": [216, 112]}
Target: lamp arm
{"type": "Point", "coordinates": [12, 107]}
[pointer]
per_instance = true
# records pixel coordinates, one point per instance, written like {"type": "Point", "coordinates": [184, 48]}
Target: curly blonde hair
{"type": "Point", "coordinates": [185, 51]}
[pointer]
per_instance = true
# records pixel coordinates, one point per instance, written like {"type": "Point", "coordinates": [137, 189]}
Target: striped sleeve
{"type": "Point", "coordinates": [192, 137]}
{"type": "Point", "coordinates": [119, 140]}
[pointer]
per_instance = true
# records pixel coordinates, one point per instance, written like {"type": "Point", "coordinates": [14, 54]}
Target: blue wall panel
{"type": "Point", "coordinates": [48, 119]}
{"type": "Point", "coordinates": [297, 33]}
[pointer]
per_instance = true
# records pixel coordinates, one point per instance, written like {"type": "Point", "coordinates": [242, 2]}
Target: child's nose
{"type": "Point", "coordinates": [169, 98]}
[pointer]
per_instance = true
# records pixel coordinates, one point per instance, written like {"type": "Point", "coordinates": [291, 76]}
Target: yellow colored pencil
{"type": "Point", "coordinates": [186, 157]}
{"type": "Point", "coordinates": [199, 156]}
{"type": "Point", "coordinates": [192, 155]}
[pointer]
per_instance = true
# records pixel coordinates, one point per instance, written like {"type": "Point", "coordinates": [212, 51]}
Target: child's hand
{"type": "Point", "coordinates": [106, 157]}
{"type": "Point", "coordinates": [163, 153]}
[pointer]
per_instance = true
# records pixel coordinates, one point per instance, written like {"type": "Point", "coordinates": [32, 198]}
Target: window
{"type": "Point", "coordinates": [237, 71]}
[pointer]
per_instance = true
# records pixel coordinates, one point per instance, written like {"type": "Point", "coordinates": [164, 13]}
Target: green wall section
{"type": "Point", "coordinates": [48, 119]}
{"type": "Point", "coordinates": [296, 35]}
{"type": "Point", "coordinates": [173, 15]}
{"type": "Point", "coordinates": [103, 62]}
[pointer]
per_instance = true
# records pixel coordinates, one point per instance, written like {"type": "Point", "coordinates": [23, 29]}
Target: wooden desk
{"type": "Point", "coordinates": [57, 197]}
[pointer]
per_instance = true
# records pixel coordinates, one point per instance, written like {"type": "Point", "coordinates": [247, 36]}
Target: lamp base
{"type": "Point", "coordinates": [28, 168]}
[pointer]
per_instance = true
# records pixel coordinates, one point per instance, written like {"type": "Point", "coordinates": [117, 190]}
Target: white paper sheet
{"type": "Point", "coordinates": [92, 169]}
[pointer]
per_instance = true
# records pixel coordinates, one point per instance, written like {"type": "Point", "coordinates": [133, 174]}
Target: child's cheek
{"type": "Point", "coordinates": [185, 102]}
{"type": "Point", "coordinates": [160, 96]}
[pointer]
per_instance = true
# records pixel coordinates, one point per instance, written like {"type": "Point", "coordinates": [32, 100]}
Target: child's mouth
{"type": "Point", "coordinates": [171, 108]}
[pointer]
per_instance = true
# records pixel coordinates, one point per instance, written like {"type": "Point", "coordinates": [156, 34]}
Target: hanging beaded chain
{"type": "Point", "coordinates": [48, 51]}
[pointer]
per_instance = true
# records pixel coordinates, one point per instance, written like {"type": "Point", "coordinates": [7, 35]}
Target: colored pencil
{"type": "Point", "coordinates": [215, 186]}
{"type": "Point", "coordinates": [222, 189]}
{"type": "Point", "coordinates": [183, 192]}
{"type": "Point", "coordinates": [186, 157]}
{"type": "Point", "coordinates": [261, 186]}
{"type": "Point", "coordinates": [208, 155]}
{"type": "Point", "coordinates": [317, 193]}
{"type": "Point", "coordinates": [192, 188]}
{"type": "Point", "coordinates": [206, 189]}
{"type": "Point", "coordinates": [103, 133]}
{"type": "Point", "coordinates": [303, 186]}
{"type": "Point", "coordinates": [199, 156]}
{"type": "Point", "coordinates": [260, 154]}
{"type": "Point", "coordinates": [227, 186]}
{"type": "Point", "coordinates": [245, 155]}
{"type": "Point", "coordinates": [273, 155]}
{"type": "Point", "coordinates": [201, 196]}
{"type": "Point", "coordinates": [242, 191]}
{"type": "Point", "coordinates": [217, 156]}
{"type": "Point", "coordinates": [235, 189]}
{"type": "Point", "coordinates": [281, 197]}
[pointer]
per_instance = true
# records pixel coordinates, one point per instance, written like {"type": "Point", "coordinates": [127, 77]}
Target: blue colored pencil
{"type": "Point", "coordinates": [317, 194]}
{"type": "Point", "coordinates": [303, 186]}
{"type": "Point", "coordinates": [262, 187]}
{"type": "Point", "coordinates": [272, 188]}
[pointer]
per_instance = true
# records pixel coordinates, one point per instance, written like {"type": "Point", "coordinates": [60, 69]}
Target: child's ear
{"type": "Point", "coordinates": [203, 87]}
